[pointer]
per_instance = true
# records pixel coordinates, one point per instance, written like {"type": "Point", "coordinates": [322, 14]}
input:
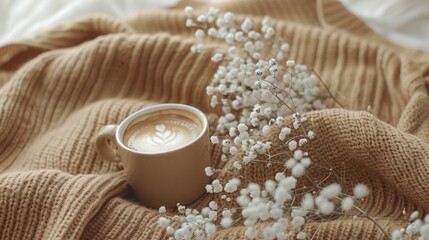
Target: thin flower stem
{"type": "Point", "coordinates": [386, 235]}
{"type": "Point", "coordinates": [275, 94]}
{"type": "Point", "coordinates": [366, 215]}
{"type": "Point", "coordinates": [326, 87]}
{"type": "Point", "coordinates": [317, 230]}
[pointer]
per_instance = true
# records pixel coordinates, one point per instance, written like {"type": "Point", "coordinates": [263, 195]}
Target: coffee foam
{"type": "Point", "coordinates": [162, 131]}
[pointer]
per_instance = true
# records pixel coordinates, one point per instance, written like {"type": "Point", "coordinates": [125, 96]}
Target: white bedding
{"type": "Point", "coordinates": [405, 22]}
{"type": "Point", "coordinates": [21, 17]}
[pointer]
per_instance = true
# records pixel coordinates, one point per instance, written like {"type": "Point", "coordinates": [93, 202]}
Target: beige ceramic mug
{"type": "Point", "coordinates": [164, 149]}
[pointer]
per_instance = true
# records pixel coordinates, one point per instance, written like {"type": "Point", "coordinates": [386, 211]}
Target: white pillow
{"type": "Point", "coordinates": [404, 22]}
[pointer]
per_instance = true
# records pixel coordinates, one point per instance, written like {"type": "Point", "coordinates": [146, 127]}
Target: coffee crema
{"type": "Point", "coordinates": [162, 131]}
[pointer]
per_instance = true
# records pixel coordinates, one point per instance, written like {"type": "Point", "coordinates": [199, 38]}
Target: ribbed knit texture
{"type": "Point", "coordinates": [59, 87]}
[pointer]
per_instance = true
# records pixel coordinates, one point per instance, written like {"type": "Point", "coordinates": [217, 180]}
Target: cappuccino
{"type": "Point", "coordinates": [162, 131]}
{"type": "Point", "coordinates": [164, 150]}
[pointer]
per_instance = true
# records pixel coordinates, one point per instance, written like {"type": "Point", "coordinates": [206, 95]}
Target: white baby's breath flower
{"type": "Point", "coordinates": [266, 130]}
{"type": "Point", "coordinates": [424, 231]}
{"type": "Point", "coordinates": [213, 101]}
{"type": "Point", "coordinates": [209, 188]}
{"type": "Point", "coordinates": [284, 47]}
{"type": "Point", "coordinates": [254, 35]}
{"type": "Point", "coordinates": [298, 154]}
{"type": "Point", "coordinates": [233, 150]}
{"type": "Point", "coordinates": [188, 10]}
{"type": "Point", "coordinates": [237, 165]}
{"type": "Point", "coordinates": [268, 233]}
{"type": "Point", "coordinates": [217, 57]}
{"type": "Point", "coordinates": [360, 190]}
{"type": "Point", "coordinates": [212, 215]}
{"type": "Point", "coordinates": [229, 38]}
{"type": "Point", "coordinates": [327, 207]}
{"type": "Point", "coordinates": [189, 23]}
{"type": "Point", "coordinates": [279, 120]}
{"type": "Point", "coordinates": [281, 195]}
{"type": "Point", "coordinates": [250, 233]}
{"type": "Point", "coordinates": [292, 145]}
{"type": "Point", "coordinates": [347, 204]}
{"type": "Point", "coordinates": [276, 213]}
{"type": "Point", "coordinates": [228, 16]}
{"type": "Point", "coordinates": [311, 134]}
{"type": "Point", "coordinates": [279, 176]}
{"type": "Point", "coordinates": [306, 162]}
{"type": "Point", "coordinates": [414, 215]}
{"type": "Point", "coordinates": [297, 221]}
{"type": "Point", "coordinates": [232, 132]}
{"type": "Point", "coordinates": [210, 90]}
{"type": "Point", "coordinates": [298, 170]}
{"type": "Point", "coordinates": [162, 209]}
{"type": "Point", "coordinates": [226, 213]}
{"type": "Point", "coordinates": [288, 183]}
{"type": "Point", "coordinates": [302, 141]}
{"type": "Point", "coordinates": [290, 63]}
{"type": "Point", "coordinates": [231, 185]}
{"type": "Point", "coordinates": [181, 208]}
{"type": "Point", "coordinates": [226, 142]}
{"type": "Point", "coordinates": [396, 235]}
{"type": "Point", "coordinates": [213, 205]}
{"type": "Point", "coordinates": [170, 230]}
{"type": "Point", "coordinates": [307, 202]}
{"type": "Point", "coordinates": [199, 47]}
{"type": "Point", "coordinates": [201, 18]}
{"type": "Point", "coordinates": [246, 26]}
{"type": "Point", "coordinates": [226, 222]}
{"type": "Point", "coordinates": [210, 228]}
{"type": "Point", "coordinates": [217, 187]}
{"type": "Point", "coordinates": [209, 171]}
{"type": "Point", "coordinates": [214, 139]}
{"type": "Point", "coordinates": [283, 133]}
{"type": "Point", "coordinates": [199, 34]}
{"type": "Point", "coordinates": [331, 191]}
{"type": "Point", "coordinates": [414, 227]}
{"type": "Point", "coordinates": [301, 235]}
{"type": "Point", "coordinates": [163, 222]}
{"type": "Point", "coordinates": [280, 56]}
{"type": "Point", "coordinates": [242, 127]}
{"type": "Point", "coordinates": [212, 32]}
{"type": "Point", "coordinates": [270, 186]}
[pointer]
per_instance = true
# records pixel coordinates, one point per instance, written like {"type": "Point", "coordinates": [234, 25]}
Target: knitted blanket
{"type": "Point", "coordinates": [59, 87]}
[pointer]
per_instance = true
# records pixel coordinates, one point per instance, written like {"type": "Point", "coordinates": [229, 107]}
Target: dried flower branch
{"type": "Point", "coordinates": [416, 228]}
{"type": "Point", "coordinates": [258, 98]}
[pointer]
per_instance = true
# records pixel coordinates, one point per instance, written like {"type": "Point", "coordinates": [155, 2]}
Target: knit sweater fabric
{"type": "Point", "coordinates": [59, 87]}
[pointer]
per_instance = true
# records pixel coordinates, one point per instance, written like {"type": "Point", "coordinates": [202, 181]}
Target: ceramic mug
{"type": "Point", "coordinates": [164, 150]}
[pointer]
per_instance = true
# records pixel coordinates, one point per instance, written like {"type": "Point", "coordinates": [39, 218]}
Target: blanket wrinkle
{"type": "Point", "coordinates": [60, 86]}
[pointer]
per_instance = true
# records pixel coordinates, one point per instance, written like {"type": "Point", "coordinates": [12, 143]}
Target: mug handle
{"type": "Point", "coordinates": [106, 150]}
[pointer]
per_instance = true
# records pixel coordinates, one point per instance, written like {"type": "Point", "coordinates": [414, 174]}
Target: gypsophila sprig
{"type": "Point", "coordinates": [416, 228]}
{"type": "Point", "coordinates": [262, 94]}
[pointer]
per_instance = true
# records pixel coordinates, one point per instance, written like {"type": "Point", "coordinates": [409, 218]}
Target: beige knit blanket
{"type": "Point", "coordinates": [59, 87]}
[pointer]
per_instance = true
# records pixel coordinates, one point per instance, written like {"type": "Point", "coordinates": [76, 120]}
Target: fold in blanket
{"type": "Point", "coordinates": [60, 87]}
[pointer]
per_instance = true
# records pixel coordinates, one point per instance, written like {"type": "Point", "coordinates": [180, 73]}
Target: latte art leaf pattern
{"type": "Point", "coordinates": [162, 136]}
{"type": "Point", "coordinates": [161, 133]}
{"type": "Point", "coordinates": [160, 127]}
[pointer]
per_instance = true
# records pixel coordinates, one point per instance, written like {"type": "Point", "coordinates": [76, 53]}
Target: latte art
{"type": "Point", "coordinates": [162, 136]}
{"type": "Point", "coordinates": [161, 132]}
